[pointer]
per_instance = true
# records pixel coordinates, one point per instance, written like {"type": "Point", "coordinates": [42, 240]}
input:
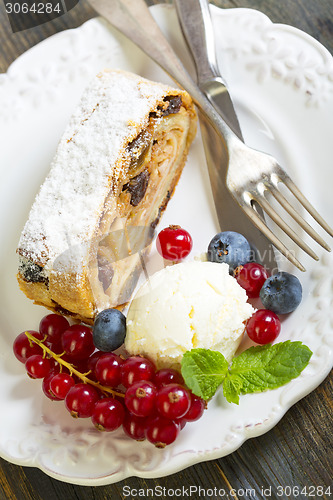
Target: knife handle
{"type": "Point", "coordinates": [197, 28]}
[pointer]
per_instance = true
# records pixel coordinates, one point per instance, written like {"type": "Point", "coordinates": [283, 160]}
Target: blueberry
{"type": "Point", "coordinates": [109, 330]}
{"type": "Point", "coordinates": [230, 247]}
{"type": "Point", "coordinates": [281, 293]}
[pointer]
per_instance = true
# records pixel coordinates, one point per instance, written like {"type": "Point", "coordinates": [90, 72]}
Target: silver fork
{"type": "Point", "coordinates": [251, 174]}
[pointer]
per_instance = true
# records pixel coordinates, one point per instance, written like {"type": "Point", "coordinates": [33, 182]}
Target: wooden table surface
{"type": "Point", "coordinates": [296, 453]}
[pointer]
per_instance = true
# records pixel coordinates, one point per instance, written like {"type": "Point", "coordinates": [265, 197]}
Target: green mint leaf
{"type": "Point", "coordinates": [203, 371]}
{"type": "Point", "coordinates": [266, 367]}
{"type": "Point", "coordinates": [232, 388]}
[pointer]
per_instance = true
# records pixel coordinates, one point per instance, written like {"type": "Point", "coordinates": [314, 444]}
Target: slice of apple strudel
{"type": "Point", "coordinates": [114, 171]}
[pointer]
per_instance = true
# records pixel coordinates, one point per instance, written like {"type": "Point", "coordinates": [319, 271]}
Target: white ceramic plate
{"type": "Point", "coordinates": [282, 83]}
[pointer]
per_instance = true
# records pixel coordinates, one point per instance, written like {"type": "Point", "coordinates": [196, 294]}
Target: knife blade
{"type": "Point", "coordinates": [196, 24]}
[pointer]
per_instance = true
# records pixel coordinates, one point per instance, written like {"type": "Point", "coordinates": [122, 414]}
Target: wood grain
{"type": "Point", "coordinates": [295, 453]}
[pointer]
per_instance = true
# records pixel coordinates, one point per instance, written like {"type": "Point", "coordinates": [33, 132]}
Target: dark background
{"type": "Point", "coordinates": [298, 451]}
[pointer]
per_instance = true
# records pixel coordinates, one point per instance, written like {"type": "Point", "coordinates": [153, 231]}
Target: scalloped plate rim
{"type": "Point", "coordinates": [255, 430]}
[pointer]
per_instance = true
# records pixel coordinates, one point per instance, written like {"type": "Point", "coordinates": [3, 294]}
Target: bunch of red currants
{"type": "Point", "coordinates": [148, 403]}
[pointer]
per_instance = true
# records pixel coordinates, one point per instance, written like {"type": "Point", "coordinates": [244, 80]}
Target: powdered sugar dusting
{"type": "Point", "coordinates": [66, 211]}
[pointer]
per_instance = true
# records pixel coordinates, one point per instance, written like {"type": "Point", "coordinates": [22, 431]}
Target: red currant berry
{"type": "Point", "coordinates": [263, 327]}
{"type": "Point", "coordinates": [251, 277]}
{"type": "Point", "coordinates": [77, 342]}
{"type": "Point", "coordinates": [108, 369]}
{"type": "Point", "coordinates": [37, 366]}
{"type": "Point", "coordinates": [173, 401]}
{"type": "Point", "coordinates": [108, 414]}
{"type": "Point", "coordinates": [140, 398]}
{"type": "Point", "coordinates": [174, 243]}
{"type": "Point", "coordinates": [46, 384]}
{"type": "Point", "coordinates": [181, 422]}
{"type": "Point", "coordinates": [162, 431]}
{"type": "Point", "coordinates": [81, 399]}
{"type": "Point", "coordinates": [23, 347]}
{"type": "Point", "coordinates": [135, 427]}
{"type": "Point", "coordinates": [137, 368]}
{"type": "Point", "coordinates": [80, 365]}
{"type": "Point", "coordinates": [53, 326]}
{"type": "Point", "coordinates": [167, 376]}
{"type": "Point", "coordinates": [197, 407]}
{"type": "Point", "coordinates": [91, 364]}
{"type": "Point", "coordinates": [60, 384]}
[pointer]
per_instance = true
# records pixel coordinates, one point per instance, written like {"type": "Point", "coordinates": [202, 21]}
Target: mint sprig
{"type": "Point", "coordinates": [203, 371]}
{"type": "Point", "coordinates": [255, 370]}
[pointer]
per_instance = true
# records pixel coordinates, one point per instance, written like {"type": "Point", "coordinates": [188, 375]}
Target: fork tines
{"type": "Point", "coordinates": [264, 187]}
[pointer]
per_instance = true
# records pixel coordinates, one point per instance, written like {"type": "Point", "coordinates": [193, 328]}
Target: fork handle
{"type": "Point", "coordinates": [197, 27]}
{"type": "Point", "coordinates": [133, 19]}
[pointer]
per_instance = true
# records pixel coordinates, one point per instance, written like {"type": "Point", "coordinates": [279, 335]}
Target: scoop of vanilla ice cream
{"type": "Point", "coordinates": [185, 306]}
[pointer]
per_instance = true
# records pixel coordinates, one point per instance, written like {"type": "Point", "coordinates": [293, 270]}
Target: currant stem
{"type": "Point", "coordinates": [70, 367]}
